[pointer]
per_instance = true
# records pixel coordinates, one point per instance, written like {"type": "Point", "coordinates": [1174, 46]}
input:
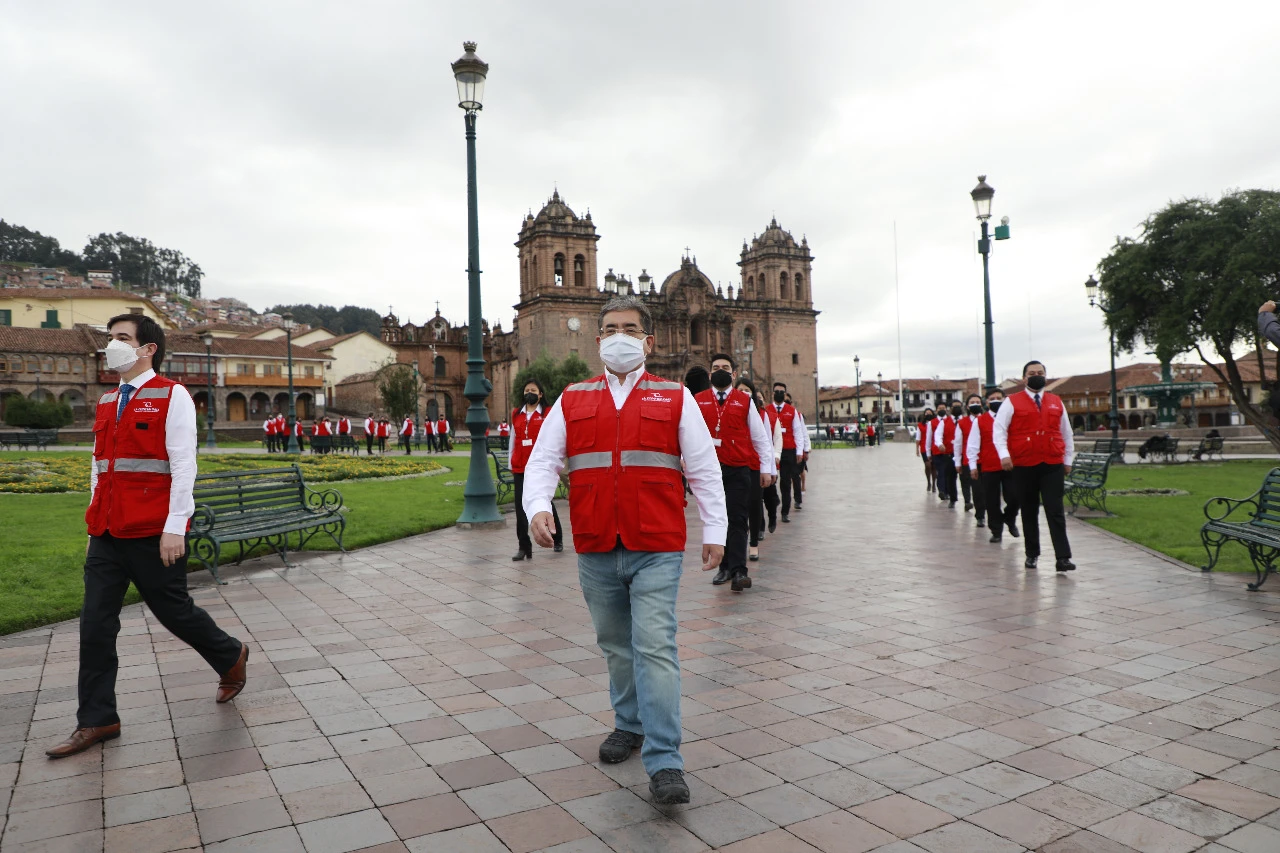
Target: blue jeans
{"type": "Point", "coordinates": [632, 599]}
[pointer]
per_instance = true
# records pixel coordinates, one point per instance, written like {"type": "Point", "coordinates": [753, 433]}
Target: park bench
{"type": "Point", "coordinates": [321, 443]}
{"type": "Point", "coordinates": [1087, 483]}
{"type": "Point", "coordinates": [1114, 447]}
{"type": "Point", "coordinates": [505, 480]}
{"type": "Point", "coordinates": [1206, 449]}
{"type": "Point", "coordinates": [346, 442]}
{"type": "Point", "coordinates": [1257, 527]}
{"type": "Point", "coordinates": [28, 438]}
{"type": "Point", "coordinates": [262, 507]}
{"type": "Point", "coordinates": [1163, 446]}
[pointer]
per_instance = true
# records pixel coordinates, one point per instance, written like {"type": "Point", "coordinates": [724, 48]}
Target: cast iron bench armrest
{"type": "Point", "coordinates": [1259, 533]}
{"type": "Point", "coordinates": [323, 500]}
{"type": "Point", "coordinates": [1231, 504]}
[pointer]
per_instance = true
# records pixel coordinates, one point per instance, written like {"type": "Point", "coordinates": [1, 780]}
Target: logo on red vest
{"type": "Point", "coordinates": [655, 397]}
{"type": "Point", "coordinates": [148, 407]}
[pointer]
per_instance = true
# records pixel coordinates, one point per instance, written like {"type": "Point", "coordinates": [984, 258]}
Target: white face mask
{"type": "Point", "coordinates": [622, 353]}
{"type": "Point", "coordinates": [121, 356]}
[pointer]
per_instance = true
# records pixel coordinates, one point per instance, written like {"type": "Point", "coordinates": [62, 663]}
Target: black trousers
{"type": "Point", "coordinates": [994, 484]}
{"type": "Point", "coordinates": [1036, 485]}
{"type": "Point", "coordinates": [404, 442]}
{"type": "Point", "coordinates": [431, 442]}
{"type": "Point", "coordinates": [522, 520]}
{"type": "Point", "coordinates": [368, 443]}
{"type": "Point", "coordinates": [271, 443]}
{"type": "Point", "coordinates": [971, 488]}
{"type": "Point", "coordinates": [382, 444]}
{"type": "Point", "coordinates": [111, 564]}
{"type": "Point", "coordinates": [755, 510]}
{"type": "Point", "coordinates": [737, 498]}
{"type": "Point", "coordinates": [771, 501]}
{"type": "Point", "coordinates": [789, 479]}
{"type": "Point", "coordinates": [945, 468]}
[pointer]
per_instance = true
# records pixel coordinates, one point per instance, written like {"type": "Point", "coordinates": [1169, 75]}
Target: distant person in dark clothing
{"type": "Point", "coordinates": [697, 379]}
{"type": "Point", "coordinates": [1268, 325]}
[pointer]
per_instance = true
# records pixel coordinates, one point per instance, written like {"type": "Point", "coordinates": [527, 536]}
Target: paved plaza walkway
{"type": "Point", "coordinates": [892, 682]}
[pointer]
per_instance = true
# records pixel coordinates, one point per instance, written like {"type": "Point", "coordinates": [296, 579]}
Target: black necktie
{"type": "Point", "coordinates": [1037, 401]}
{"type": "Point", "coordinates": [721, 396]}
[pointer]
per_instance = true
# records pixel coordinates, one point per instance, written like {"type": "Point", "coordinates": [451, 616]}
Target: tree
{"type": "Point", "coordinates": [138, 263]}
{"type": "Point", "coordinates": [344, 320]}
{"type": "Point", "coordinates": [553, 376]}
{"type": "Point", "coordinates": [398, 389]}
{"type": "Point", "coordinates": [37, 414]}
{"type": "Point", "coordinates": [1194, 280]}
{"type": "Point", "coordinates": [22, 245]}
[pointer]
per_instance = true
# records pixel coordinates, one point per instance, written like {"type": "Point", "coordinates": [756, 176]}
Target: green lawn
{"type": "Point", "coordinates": [42, 547]}
{"type": "Point", "coordinates": [1171, 525]}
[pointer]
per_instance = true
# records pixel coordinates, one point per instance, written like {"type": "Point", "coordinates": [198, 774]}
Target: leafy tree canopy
{"type": "Point", "coordinates": [1194, 280]}
{"type": "Point", "coordinates": [36, 414]}
{"type": "Point", "coordinates": [398, 389]}
{"type": "Point", "coordinates": [344, 320]}
{"type": "Point", "coordinates": [553, 375]}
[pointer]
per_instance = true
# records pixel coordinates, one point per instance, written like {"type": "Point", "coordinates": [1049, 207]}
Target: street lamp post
{"type": "Point", "coordinates": [857, 392]}
{"type": "Point", "coordinates": [292, 445]}
{"type": "Point", "coordinates": [982, 195]}
{"type": "Point", "coordinates": [750, 347]}
{"type": "Point", "coordinates": [480, 504]}
{"type": "Point", "coordinates": [210, 440]}
{"type": "Point", "coordinates": [879, 409]}
{"type": "Point", "coordinates": [817, 408]}
{"type": "Point", "coordinates": [1091, 288]}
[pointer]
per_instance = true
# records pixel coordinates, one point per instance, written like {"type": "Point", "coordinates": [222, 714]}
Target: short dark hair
{"type": "Point", "coordinates": [971, 396]}
{"type": "Point", "coordinates": [783, 385]}
{"type": "Point", "coordinates": [996, 391]}
{"type": "Point", "coordinates": [146, 331]}
{"type": "Point", "coordinates": [697, 379]}
{"type": "Point", "coordinates": [1029, 363]}
{"type": "Point", "coordinates": [628, 303]}
{"type": "Point", "coordinates": [733, 365]}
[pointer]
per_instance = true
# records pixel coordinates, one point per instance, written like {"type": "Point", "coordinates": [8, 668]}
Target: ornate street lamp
{"type": "Point", "coordinates": [857, 391]}
{"type": "Point", "coordinates": [880, 409]}
{"type": "Point", "coordinates": [480, 504]}
{"type": "Point", "coordinates": [982, 195]}
{"type": "Point", "coordinates": [289, 326]}
{"type": "Point", "coordinates": [750, 347]}
{"type": "Point", "coordinates": [817, 408]}
{"type": "Point", "coordinates": [1091, 288]}
{"type": "Point", "coordinates": [210, 440]}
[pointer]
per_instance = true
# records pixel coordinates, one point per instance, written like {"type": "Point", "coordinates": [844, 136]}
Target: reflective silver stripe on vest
{"type": "Point", "coordinates": [655, 385]}
{"type": "Point", "coordinates": [145, 466]}
{"type": "Point", "coordinates": [598, 385]}
{"type": "Point", "coordinates": [153, 393]}
{"type": "Point", "coordinates": [650, 459]}
{"type": "Point", "coordinates": [109, 397]}
{"type": "Point", "coordinates": [602, 459]}
{"type": "Point", "coordinates": [103, 465]}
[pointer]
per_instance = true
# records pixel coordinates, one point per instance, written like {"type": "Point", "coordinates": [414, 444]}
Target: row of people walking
{"type": "Point", "coordinates": [1006, 457]}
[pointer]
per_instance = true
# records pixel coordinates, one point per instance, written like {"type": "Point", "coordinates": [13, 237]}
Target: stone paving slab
{"type": "Point", "coordinates": [891, 683]}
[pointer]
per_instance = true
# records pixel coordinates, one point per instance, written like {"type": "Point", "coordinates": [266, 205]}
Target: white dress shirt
{"type": "Point", "coordinates": [939, 432]}
{"type": "Point", "coordinates": [759, 436]}
{"type": "Point", "coordinates": [701, 465]}
{"type": "Point", "coordinates": [1000, 430]}
{"type": "Point", "coordinates": [768, 461]}
{"type": "Point", "coordinates": [803, 443]}
{"type": "Point", "coordinates": [180, 444]}
{"type": "Point", "coordinates": [962, 447]}
{"type": "Point", "coordinates": [974, 446]}
{"type": "Point", "coordinates": [928, 438]}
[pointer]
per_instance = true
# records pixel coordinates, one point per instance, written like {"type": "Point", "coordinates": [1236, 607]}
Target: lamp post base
{"type": "Point", "coordinates": [482, 525]}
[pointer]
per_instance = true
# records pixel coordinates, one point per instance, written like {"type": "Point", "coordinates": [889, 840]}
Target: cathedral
{"type": "Point", "coordinates": [768, 322]}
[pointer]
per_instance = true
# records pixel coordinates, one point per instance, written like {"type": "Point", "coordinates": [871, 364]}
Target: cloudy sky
{"type": "Point", "coordinates": [314, 152]}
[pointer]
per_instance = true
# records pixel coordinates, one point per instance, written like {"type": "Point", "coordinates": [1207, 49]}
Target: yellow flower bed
{"type": "Point", "coordinates": [68, 472]}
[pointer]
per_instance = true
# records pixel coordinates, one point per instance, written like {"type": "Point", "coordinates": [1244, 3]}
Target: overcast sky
{"type": "Point", "coordinates": [314, 152]}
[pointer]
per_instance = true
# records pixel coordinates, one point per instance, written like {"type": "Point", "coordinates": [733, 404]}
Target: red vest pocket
{"type": "Point", "coordinates": [656, 501]}
{"type": "Point", "coordinates": [580, 428]}
{"type": "Point", "coordinates": [654, 426]}
{"type": "Point", "coordinates": [582, 509]}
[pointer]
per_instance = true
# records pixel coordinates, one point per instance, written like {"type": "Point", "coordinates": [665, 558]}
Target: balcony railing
{"type": "Point", "coordinates": [274, 381]}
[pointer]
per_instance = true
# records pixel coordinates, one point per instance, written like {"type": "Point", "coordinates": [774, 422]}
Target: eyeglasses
{"type": "Point", "coordinates": [630, 329]}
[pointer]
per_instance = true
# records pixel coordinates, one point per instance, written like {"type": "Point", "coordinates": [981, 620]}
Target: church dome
{"type": "Point", "coordinates": [556, 209]}
{"type": "Point", "coordinates": [774, 235]}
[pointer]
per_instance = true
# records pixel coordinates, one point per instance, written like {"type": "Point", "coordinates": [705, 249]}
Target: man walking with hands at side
{"type": "Point", "coordinates": [782, 413]}
{"type": "Point", "coordinates": [623, 435]}
{"type": "Point", "coordinates": [144, 469]}
{"type": "Point", "coordinates": [1033, 437]}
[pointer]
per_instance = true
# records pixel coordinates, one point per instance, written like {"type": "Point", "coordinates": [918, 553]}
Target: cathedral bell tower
{"type": "Point", "coordinates": [557, 252]}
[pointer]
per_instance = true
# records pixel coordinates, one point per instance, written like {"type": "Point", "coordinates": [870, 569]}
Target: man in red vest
{"type": "Point", "coordinates": [504, 434]}
{"type": "Point", "coordinates": [623, 436]}
{"type": "Point", "coordinates": [741, 442]}
{"type": "Point", "coordinates": [406, 434]}
{"type": "Point", "coordinates": [384, 432]}
{"type": "Point", "coordinates": [442, 434]}
{"type": "Point", "coordinates": [780, 412]}
{"type": "Point", "coordinates": [960, 458]}
{"type": "Point", "coordinates": [370, 433]}
{"type": "Point", "coordinates": [269, 433]}
{"type": "Point", "coordinates": [944, 438]}
{"type": "Point", "coordinates": [344, 425]}
{"type": "Point", "coordinates": [1033, 437]}
{"type": "Point", "coordinates": [993, 480]}
{"type": "Point", "coordinates": [143, 472]}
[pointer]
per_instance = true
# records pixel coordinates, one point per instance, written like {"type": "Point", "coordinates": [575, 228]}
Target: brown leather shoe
{"type": "Point", "coordinates": [233, 682]}
{"type": "Point", "coordinates": [82, 739]}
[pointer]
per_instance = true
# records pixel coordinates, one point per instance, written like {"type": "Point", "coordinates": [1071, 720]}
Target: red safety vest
{"type": "Point", "coordinates": [1035, 435]}
{"type": "Point", "coordinates": [624, 466]}
{"type": "Point", "coordinates": [344, 426]}
{"type": "Point", "coordinates": [922, 436]}
{"type": "Point", "coordinates": [131, 499]}
{"type": "Point", "coordinates": [269, 426]}
{"type": "Point", "coordinates": [406, 428]}
{"type": "Point", "coordinates": [384, 429]}
{"type": "Point", "coordinates": [948, 426]}
{"type": "Point", "coordinates": [988, 456]}
{"type": "Point", "coordinates": [282, 426]}
{"type": "Point", "coordinates": [323, 428]}
{"type": "Point", "coordinates": [966, 427]}
{"type": "Point", "coordinates": [442, 426]}
{"type": "Point", "coordinates": [503, 430]}
{"type": "Point", "coordinates": [526, 428]}
{"type": "Point", "coordinates": [787, 416]}
{"type": "Point", "coordinates": [730, 432]}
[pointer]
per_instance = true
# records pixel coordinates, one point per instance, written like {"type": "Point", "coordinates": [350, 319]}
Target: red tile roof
{"type": "Point", "coordinates": [16, 339]}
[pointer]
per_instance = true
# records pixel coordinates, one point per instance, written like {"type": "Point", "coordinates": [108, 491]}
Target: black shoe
{"type": "Point", "coordinates": [786, 519]}
{"type": "Point", "coordinates": [522, 555]}
{"type": "Point", "coordinates": [740, 582]}
{"type": "Point", "coordinates": [722, 576]}
{"type": "Point", "coordinates": [798, 507]}
{"type": "Point", "coordinates": [617, 746]}
{"type": "Point", "coordinates": [755, 558]}
{"type": "Point", "coordinates": [668, 787]}
{"type": "Point", "coordinates": [996, 537]}
{"type": "Point", "coordinates": [982, 522]}
{"type": "Point", "coordinates": [952, 505]}
{"type": "Point", "coordinates": [558, 547]}
{"type": "Point", "coordinates": [1065, 565]}
{"type": "Point", "coordinates": [773, 525]}
{"type": "Point", "coordinates": [968, 507]}
{"type": "Point", "coordinates": [1031, 562]}
{"type": "Point", "coordinates": [1013, 530]}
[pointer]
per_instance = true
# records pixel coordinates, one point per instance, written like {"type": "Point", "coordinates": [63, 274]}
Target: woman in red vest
{"type": "Point", "coordinates": [1033, 437]}
{"type": "Point", "coordinates": [526, 423]}
{"type": "Point", "coordinates": [924, 432]}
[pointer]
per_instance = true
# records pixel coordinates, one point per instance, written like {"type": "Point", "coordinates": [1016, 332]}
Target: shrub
{"type": "Point", "coordinates": [37, 414]}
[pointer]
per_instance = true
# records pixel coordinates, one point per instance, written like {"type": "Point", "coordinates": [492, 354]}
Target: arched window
{"type": "Point", "coordinates": [77, 366]}
{"type": "Point", "coordinates": [696, 333]}
{"type": "Point", "coordinates": [751, 285]}
{"type": "Point", "coordinates": [559, 269]}
{"type": "Point", "coordinates": [439, 366]}
{"type": "Point", "coordinates": [579, 270]}
{"type": "Point", "coordinates": [799, 286]}
{"type": "Point", "coordinates": [782, 286]}
{"type": "Point", "coordinates": [763, 291]}
{"type": "Point", "coordinates": [408, 333]}
{"type": "Point", "coordinates": [33, 364]}
{"type": "Point", "coordinates": [64, 365]}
